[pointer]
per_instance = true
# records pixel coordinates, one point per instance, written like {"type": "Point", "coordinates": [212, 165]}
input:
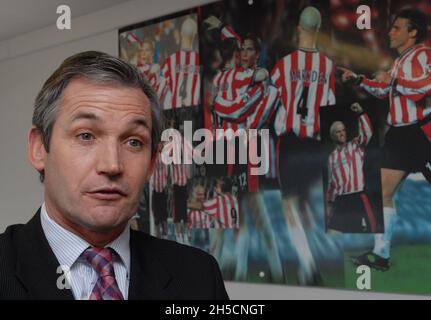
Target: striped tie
{"type": "Point", "coordinates": [106, 287]}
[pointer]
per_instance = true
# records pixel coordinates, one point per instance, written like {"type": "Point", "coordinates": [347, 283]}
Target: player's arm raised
{"type": "Point", "coordinates": [365, 128]}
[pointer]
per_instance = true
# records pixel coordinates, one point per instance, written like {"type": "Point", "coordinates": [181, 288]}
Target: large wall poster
{"type": "Point", "coordinates": [316, 217]}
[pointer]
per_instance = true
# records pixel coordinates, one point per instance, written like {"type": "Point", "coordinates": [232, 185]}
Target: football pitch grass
{"type": "Point", "coordinates": [410, 271]}
{"type": "Point", "coordinates": [331, 274]}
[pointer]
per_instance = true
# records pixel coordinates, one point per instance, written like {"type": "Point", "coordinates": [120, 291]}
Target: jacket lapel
{"type": "Point", "coordinates": [37, 265]}
{"type": "Point", "coordinates": [149, 279]}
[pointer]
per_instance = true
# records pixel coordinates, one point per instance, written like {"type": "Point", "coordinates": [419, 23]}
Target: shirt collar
{"type": "Point", "coordinates": [408, 50]}
{"type": "Point", "coordinates": [68, 247]}
{"type": "Point", "coordinates": [308, 49]}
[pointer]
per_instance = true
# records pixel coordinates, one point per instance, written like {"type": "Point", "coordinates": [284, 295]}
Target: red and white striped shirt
{"type": "Point", "coordinates": [180, 174]}
{"type": "Point", "coordinates": [411, 85]}
{"type": "Point", "coordinates": [223, 210]}
{"type": "Point", "coordinates": [179, 154]}
{"type": "Point", "coordinates": [145, 70]}
{"type": "Point", "coordinates": [180, 80]}
{"type": "Point", "coordinates": [159, 178]}
{"type": "Point", "coordinates": [306, 82]}
{"type": "Point", "coordinates": [251, 109]}
{"type": "Point", "coordinates": [132, 38]}
{"type": "Point", "coordinates": [346, 163]}
{"type": "Point", "coordinates": [229, 85]}
{"type": "Point", "coordinates": [198, 219]}
{"type": "Point", "coordinates": [227, 32]}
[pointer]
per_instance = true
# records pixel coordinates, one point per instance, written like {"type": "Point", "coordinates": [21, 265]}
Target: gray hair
{"type": "Point", "coordinates": [102, 69]}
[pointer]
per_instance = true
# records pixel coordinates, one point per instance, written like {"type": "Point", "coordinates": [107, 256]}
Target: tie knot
{"type": "Point", "coordinates": [101, 260]}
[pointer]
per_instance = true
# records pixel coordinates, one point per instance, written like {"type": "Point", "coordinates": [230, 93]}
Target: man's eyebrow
{"type": "Point", "coordinates": [138, 122]}
{"type": "Point", "coordinates": [85, 115]}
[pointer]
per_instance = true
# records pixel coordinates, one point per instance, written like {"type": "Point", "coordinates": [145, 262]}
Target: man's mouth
{"type": "Point", "coordinates": [107, 193]}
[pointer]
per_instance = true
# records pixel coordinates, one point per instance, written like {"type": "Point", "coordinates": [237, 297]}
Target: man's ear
{"type": "Point", "coordinates": [36, 153]}
{"type": "Point", "coordinates": [413, 33]}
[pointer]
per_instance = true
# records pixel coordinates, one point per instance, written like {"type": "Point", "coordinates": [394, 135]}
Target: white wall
{"type": "Point", "coordinates": [26, 62]}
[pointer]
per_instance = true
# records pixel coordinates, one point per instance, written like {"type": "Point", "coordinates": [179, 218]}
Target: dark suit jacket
{"type": "Point", "coordinates": [160, 269]}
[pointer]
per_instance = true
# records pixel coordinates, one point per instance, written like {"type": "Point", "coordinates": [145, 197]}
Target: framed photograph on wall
{"type": "Point", "coordinates": [343, 133]}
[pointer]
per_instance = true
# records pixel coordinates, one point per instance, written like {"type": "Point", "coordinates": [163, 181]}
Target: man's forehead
{"type": "Point", "coordinates": [104, 106]}
{"type": "Point", "coordinates": [339, 125]}
{"type": "Point", "coordinates": [86, 92]}
{"type": "Point", "coordinates": [401, 22]}
{"type": "Point", "coordinates": [248, 43]}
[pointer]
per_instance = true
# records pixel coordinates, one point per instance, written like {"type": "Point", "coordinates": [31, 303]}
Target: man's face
{"type": "Point", "coordinates": [249, 55]}
{"type": "Point", "coordinates": [399, 35]}
{"type": "Point", "coordinates": [100, 155]}
{"type": "Point", "coordinates": [147, 53]}
{"type": "Point", "coordinates": [199, 193]}
{"type": "Point", "coordinates": [339, 134]}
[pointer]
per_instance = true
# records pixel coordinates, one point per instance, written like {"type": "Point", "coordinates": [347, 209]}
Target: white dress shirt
{"type": "Point", "coordinates": [68, 248]}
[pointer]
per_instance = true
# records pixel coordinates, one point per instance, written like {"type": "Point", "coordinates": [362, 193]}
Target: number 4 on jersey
{"type": "Point", "coordinates": [302, 109]}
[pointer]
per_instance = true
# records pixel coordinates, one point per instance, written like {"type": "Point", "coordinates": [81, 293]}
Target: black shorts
{"type": "Point", "coordinates": [300, 163]}
{"type": "Point", "coordinates": [406, 148]}
{"type": "Point", "coordinates": [353, 213]}
{"type": "Point", "coordinates": [160, 208]}
{"type": "Point", "coordinates": [180, 203]}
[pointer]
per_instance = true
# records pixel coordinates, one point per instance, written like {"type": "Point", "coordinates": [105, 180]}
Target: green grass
{"type": "Point", "coordinates": [410, 271]}
{"type": "Point", "coordinates": [332, 275]}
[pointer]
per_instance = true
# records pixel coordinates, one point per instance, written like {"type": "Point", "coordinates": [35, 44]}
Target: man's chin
{"type": "Point", "coordinates": [104, 226]}
{"type": "Point", "coordinates": [105, 220]}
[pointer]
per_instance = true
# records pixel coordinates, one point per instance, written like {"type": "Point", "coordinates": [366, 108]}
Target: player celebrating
{"type": "Point", "coordinates": [305, 80]}
{"type": "Point", "coordinates": [348, 207]}
{"type": "Point", "coordinates": [407, 146]}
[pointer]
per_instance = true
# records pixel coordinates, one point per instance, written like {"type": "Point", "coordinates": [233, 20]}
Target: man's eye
{"type": "Point", "coordinates": [135, 143]}
{"type": "Point", "coordinates": [85, 136]}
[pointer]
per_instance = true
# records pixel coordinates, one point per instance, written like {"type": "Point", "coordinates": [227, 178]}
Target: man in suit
{"type": "Point", "coordinates": [95, 135]}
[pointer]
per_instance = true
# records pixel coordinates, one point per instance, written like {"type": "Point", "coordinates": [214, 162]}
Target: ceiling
{"type": "Point", "coordinates": [21, 16]}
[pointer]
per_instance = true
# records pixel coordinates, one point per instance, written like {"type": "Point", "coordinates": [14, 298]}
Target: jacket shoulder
{"type": "Point", "coordinates": [8, 241]}
{"type": "Point", "coordinates": [8, 251]}
{"type": "Point", "coordinates": [192, 268]}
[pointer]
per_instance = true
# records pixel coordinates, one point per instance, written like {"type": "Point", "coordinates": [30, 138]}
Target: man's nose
{"type": "Point", "coordinates": [109, 159]}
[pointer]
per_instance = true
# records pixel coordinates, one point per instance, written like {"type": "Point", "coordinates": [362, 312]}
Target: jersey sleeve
{"type": "Point", "coordinates": [365, 130]}
{"type": "Point", "coordinates": [238, 109]}
{"type": "Point", "coordinates": [227, 32]}
{"type": "Point", "coordinates": [376, 88]}
{"type": "Point", "coordinates": [211, 206]}
{"type": "Point", "coordinates": [276, 78]}
{"type": "Point", "coordinates": [265, 109]}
